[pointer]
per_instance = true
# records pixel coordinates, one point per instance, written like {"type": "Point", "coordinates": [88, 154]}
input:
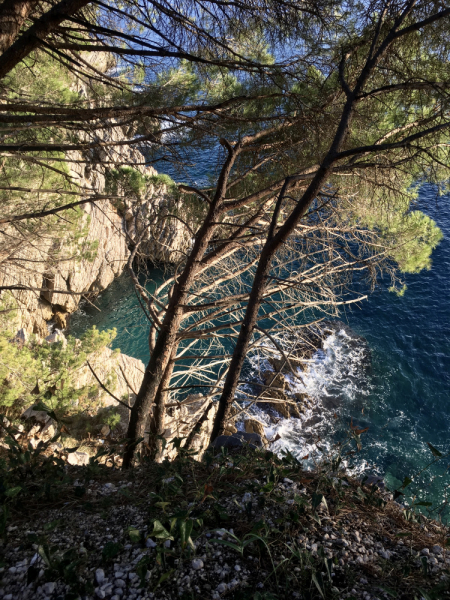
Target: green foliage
{"type": "Point", "coordinates": [28, 471]}
{"type": "Point", "coordinates": [51, 80]}
{"type": "Point", "coordinates": [41, 372]}
{"type": "Point", "coordinates": [126, 181]}
{"type": "Point", "coordinates": [112, 419]}
{"type": "Point", "coordinates": [406, 236]}
{"type": "Point", "coordinates": [415, 236]}
{"type": "Point", "coordinates": [63, 565]}
{"type": "Point", "coordinates": [162, 179]}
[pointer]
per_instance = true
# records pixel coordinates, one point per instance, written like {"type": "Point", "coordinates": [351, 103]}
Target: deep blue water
{"type": "Point", "coordinates": [409, 400]}
{"type": "Point", "coordinates": [404, 398]}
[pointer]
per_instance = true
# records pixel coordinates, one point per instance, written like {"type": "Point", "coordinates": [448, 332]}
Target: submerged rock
{"type": "Point", "coordinates": [313, 380]}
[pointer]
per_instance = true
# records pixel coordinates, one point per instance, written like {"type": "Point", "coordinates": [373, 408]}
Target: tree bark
{"type": "Point", "coordinates": [13, 14]}
{"type": "Point", "coordinates": [274, 241]}
{"type": "Point", "coordinates": [33, 37]}
{"type": "Point", "coordinates": [167, 338]}
{"type": "Point", "coordinates": [158, 417]}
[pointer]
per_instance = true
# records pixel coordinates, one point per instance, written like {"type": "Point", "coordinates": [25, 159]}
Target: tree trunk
{"type": "Point", "coordinates": [240, 350]}
{"type": "Point", "coordinates": [148, 391]}
{"type": "Point", "coordinates": [32, 38]}
{"type": "Point", "coordinates": [158, 418]}
{"type": "Point", "coordinates": [13, 14]}
{"type": "Point", "coordinates": [165, 343]}
{"type": "Point", "coordinates": [167, 338]}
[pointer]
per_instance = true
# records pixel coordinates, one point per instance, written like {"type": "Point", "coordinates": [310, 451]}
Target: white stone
{"type": "Point", "coordinates": [40, 415]}
{"type": "Point", "coordinates": [222, 587]}
{"type": "Point", "coordinates": [56, 336]}
{"type": "Point", "coordinates": [100, 576]}
{"type": "Point", "coordinates": [100, 593]}
{"type": "Point", "coordinates": [78, 458]}
{"type": "Point", "coordinates": [437, 549]}
{"type": "Point", "coordinates": [49, 587]}
{"type": "Point", "coordinates": [120, 583]}
{"type": "Point", "coordinates": [197, 564]}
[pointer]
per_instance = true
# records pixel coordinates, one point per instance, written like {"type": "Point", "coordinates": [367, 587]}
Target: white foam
{"type": "Point", "coordinates": [336, 375]}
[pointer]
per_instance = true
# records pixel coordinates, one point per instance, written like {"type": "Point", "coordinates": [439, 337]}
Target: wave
{"type": "Point", "coordinates": [337, 375]}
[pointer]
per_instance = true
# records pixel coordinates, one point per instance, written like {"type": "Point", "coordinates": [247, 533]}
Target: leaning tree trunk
{"type": "Point", "coordinates": [167, 339]}
{"type": "Point", "coordinates": [13, 14]}
{"type": "Point", "coordinates": [274, 241]}
{"type": "Point", "coordinates": [33, 37]}
{"type": "Point", "coordinates": [148, 392]}
{"type": "Point", "coordinates": [158, 417]}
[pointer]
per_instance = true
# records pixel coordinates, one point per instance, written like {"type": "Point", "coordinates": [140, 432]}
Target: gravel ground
{"type": "Point", "coordinates": [117, 539]}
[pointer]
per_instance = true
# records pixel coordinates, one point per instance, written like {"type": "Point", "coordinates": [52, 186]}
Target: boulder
{"type": "Point", "coordinates": [238, 441]}
{"type": "Point", "coordinates": [78, 459]}
{"type": "Point", "coordinates": [251, 438]}
{"type": "Point", "coordinates": [283, 404]}
{"type": "Point", "coordinates": [195, 410]}
{"type": "Point", "coordinates": [255, 426]}
{"type": "Point", "coordinates": [230, 429]}
{"type": "Point", "coordinates": [43, 426]}
{"type": "Point", "coordinates": [48, 431]}
{"type": "Point", "coordinates": [56, 336]}
{"type": "Point", "coordinates": [374, 480]}
{"type": "Point", "coordinates": [40, 416]}
{"type": "Point", "coordinates": [61, 320]}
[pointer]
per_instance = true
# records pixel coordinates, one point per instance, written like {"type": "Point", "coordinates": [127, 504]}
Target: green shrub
{"type": "Point", "coordinates": [125, 180]}
{"type": "Point", "coordinates": [40, 372]}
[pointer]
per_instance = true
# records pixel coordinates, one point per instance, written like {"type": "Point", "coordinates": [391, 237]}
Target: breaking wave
{"type": "Point", "coordinates": [337, 376]}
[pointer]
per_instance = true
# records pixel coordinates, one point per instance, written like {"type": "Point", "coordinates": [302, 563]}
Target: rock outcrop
{"type": "Point", "coordinates": [56, 271]}
{"type": "Point", "coordinates": [195, 410]}
{"type": "Point", "coordinates": [78, 253]}
{"type": "Point", "coordinates": [255, 426]}
{"type": "Point", "coordinates": [121, 376]}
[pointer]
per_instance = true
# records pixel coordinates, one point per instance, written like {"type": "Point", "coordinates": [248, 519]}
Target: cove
{"type": "Point", "coordinates": [404, 398]}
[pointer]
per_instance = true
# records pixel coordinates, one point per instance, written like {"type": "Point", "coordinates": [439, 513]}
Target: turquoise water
{"type": "Point", "coordinates": [404, 397]}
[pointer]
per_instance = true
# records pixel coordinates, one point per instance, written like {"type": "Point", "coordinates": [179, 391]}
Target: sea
{"type": "Point", "coordinates": [401, 396]}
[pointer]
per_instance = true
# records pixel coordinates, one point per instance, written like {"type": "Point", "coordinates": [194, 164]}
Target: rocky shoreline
{"type": "Point", "coordinates": [285, 401]}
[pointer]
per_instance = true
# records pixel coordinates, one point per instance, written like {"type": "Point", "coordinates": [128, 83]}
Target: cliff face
{"type": "Point", "coordinates": [32, 264]}
{"type": "Point", "coordinates": [50, 262]}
